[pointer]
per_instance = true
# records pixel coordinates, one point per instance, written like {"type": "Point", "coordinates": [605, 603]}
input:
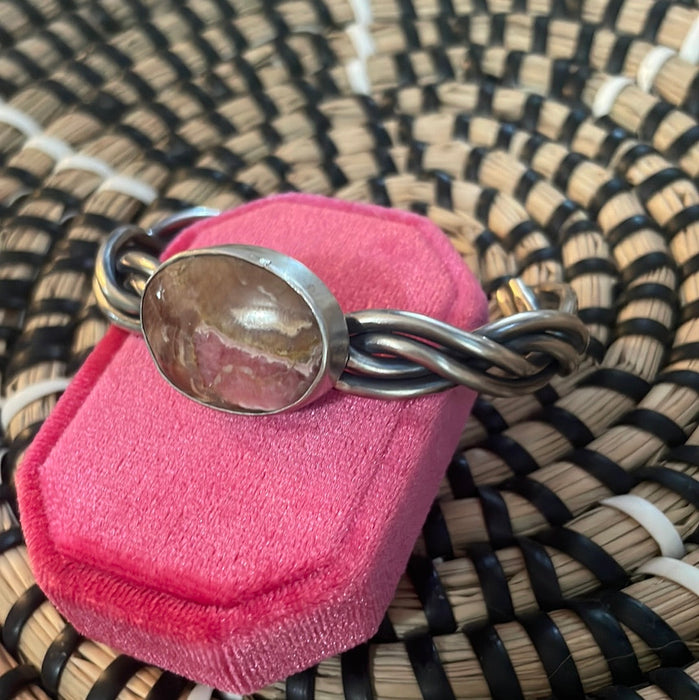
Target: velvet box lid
{"type": "Point", "coordinates": [237, 550]}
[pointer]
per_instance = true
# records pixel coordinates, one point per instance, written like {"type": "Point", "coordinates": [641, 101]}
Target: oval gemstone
{"type": "Point", "coordinates": [230, 333]}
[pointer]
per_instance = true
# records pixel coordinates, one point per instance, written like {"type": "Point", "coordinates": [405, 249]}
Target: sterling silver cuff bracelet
{"type": "Point", "coordinates": [252, 331]}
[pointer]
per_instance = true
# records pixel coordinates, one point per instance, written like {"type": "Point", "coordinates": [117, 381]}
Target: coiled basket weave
{"type": "Point", "coordinates": [551, 139]}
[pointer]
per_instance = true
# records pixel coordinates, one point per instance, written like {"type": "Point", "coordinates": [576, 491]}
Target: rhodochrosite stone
{"type": "Point", "coordinates": [231, 334]}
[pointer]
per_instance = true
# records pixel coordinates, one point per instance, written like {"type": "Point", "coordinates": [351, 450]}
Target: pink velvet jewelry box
{"type": "Point", "coordinates": [237, 550]}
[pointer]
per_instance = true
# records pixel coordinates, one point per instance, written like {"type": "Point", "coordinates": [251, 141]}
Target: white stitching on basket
{"type": "Point", "coordinates": [651, 65]}
{"type": "Point", "coordinates": [362, 11]}
{"type": "Point", "coordinates": [12, 405]}
{"type": "Point", "coordinates": [19, 120]}
{"type": "Point", "coordinates": [652, 520]}
{"type": "Point", "coordinates": [690, 46]}
{"type": "Point", "coordinates": [606, 96]}
{"type": "Point", "coordinates": [130, 186]}
{"type": "Point", "coordinates": [67, 159]}
{"type": "Point", "coordinates": [88, 164]}
{"type": "Point", "coordinates": [49, 145]}
{"type": "Point", "coordinates": [363, 43]}
{"type": "Point", "coordinates": [675, 570]}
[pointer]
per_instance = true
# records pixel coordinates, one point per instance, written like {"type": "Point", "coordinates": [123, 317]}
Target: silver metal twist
{"type": "Point", "coordinates": [397, 354]}
{"type": "Point", "coordinates": [393, 354]}
{"type": "Point", "coordinates": [128, 258]}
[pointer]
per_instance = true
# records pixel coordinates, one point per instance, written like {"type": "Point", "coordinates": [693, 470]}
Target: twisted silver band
{"type": "Point", "coordinates": [392, 354]}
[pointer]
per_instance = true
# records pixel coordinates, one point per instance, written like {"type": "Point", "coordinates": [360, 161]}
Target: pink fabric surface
{"type": "Point", "coordinates": [236, 550]}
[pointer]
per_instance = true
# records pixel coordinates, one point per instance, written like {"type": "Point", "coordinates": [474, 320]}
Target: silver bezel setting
{"type": "Point", "coordinates": [319, 299]}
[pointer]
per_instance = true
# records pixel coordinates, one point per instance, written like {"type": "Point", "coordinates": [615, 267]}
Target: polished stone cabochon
{"type": "Point", "coordinates": [231, 334]}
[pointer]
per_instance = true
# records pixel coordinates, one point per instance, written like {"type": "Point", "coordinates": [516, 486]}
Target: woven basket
{"type": "Point", "coordinates": [551, 139]}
